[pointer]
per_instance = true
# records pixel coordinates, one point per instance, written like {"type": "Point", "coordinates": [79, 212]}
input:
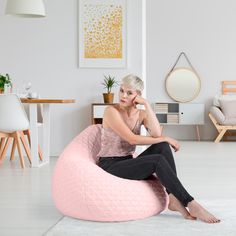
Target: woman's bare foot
{"type": "Point", "coordinates": [195, 209]}
{"type": "Point", "coordinates": [175, 205]}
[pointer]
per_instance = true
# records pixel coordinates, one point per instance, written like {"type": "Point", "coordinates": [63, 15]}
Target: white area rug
{"type": "Point", "coordinates": [166, 224]}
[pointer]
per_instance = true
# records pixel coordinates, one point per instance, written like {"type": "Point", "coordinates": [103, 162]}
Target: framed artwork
{"type": "Point", "coordinates": [102, 33]}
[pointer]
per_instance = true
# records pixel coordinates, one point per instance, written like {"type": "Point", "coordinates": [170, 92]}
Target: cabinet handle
{"type": "Point", "coordinates": [182, 113]}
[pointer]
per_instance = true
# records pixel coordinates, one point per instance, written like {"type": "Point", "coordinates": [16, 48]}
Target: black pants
{"type": "Point", "coordinates": [158, 158]}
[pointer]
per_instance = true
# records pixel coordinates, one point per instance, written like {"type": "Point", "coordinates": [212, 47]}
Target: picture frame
{"type": "Point", "coordinates": [102, 34]}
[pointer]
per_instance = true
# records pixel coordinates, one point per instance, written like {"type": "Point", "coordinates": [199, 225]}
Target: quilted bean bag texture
{"type": "Point", "coordinates": [81, 189]}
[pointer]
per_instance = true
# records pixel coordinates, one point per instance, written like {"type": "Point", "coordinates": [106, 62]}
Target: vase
{"type": "Point", "coordinates": [108, 97]}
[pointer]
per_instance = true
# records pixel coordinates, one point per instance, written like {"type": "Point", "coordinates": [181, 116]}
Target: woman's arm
{"type": "Point", "coordinates": [150, 120]}
{"type": "Point", "coordinates": [113, 119]}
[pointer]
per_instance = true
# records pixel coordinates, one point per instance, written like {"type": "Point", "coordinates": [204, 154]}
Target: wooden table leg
{"type": "Point", "coordinates": [198, 133]}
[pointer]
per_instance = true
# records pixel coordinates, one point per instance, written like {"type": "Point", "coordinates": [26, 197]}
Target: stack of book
{"type": "Point", "coordinates": [161, 108]}
{"type": "Point", "coordinates": [173, 118]}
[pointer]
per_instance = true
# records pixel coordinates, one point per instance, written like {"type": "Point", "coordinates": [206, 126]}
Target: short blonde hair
{"type": "Point", "coordinates": [134, 82]}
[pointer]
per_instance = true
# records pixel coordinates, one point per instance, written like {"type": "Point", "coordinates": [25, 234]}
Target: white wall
{"type": "Point", "coordinates": [206, 31]}
{"type": "Point", "coordinates": [45, 52]}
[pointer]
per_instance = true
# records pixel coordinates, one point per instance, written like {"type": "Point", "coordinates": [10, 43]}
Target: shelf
{"type": "Point", "coordinates": [179, 113]}
{"type": "Point", "coordinates": [97, 110]}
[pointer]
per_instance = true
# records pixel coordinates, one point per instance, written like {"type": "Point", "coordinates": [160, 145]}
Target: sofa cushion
{"type": "Point", "coordinates": [220, 117]}
{"type": "Point", "coordinates": [217, 114]}
{"type": "Point", "coordinates": [230, 121]}
{"type": "Point", "coordinates": [228, 108]}
{"type": "Point", "coordinates": [217, 98]}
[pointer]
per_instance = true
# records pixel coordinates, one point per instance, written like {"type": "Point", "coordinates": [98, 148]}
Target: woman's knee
{"type": "Point", "coordinates": [162, 145]}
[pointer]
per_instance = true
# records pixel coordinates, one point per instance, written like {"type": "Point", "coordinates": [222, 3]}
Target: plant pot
{"type": "Point", "coordinates": [1, 90]}
{"type": "Point", "coordinates": [108, 97]}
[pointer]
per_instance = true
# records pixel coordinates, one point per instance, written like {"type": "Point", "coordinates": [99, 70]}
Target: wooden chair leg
{"type": "Point", "coordinates": [40, 153]}
{"type": "Point", "coordinates": [25, 145]}
{"type": "Point", "coordinates": [2, 144]}
{"type": "Point", "coordinates": [13, 150]}
{"type": "Point", "coordinates": [27, 132]}
{"type": "Point", "coordinates": [221, 134]}
{"type": "Point", "coordinates": [4, 151]}
{"type": "Point", "coordinates": [17, 137]}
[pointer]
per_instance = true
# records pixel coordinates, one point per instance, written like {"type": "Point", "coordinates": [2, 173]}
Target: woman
{"type": "Point", "coordinates": [121, 134]}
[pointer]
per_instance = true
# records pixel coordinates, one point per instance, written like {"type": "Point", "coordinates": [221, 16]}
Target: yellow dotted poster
{"type": "Point", "coordinates": [102, 32]}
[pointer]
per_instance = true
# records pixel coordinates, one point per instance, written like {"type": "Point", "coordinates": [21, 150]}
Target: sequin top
{"type": "Point", "coordinates": [113, 145]}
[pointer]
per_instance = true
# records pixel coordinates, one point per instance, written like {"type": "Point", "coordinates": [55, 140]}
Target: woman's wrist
{"type": "Point", "coordinates": [166, 139]}
{"type": "Point", "coordinates": [146, 104]}
{"type": "Point", "coordinates": [162, 139]}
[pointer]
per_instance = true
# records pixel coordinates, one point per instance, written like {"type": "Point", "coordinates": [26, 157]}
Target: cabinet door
{"type": "Point", "coordinates": [191, 114]}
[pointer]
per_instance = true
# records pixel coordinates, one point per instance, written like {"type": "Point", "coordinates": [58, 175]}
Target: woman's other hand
{"type": "Point", "coordinates": [173, 143]}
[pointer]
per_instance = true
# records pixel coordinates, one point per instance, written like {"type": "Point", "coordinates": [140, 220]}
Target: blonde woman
{"type": "Point", "coordinates": [120, 135]}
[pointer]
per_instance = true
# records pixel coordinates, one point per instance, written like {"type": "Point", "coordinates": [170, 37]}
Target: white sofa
{"type": "Point", "coordinates": [223, 114]}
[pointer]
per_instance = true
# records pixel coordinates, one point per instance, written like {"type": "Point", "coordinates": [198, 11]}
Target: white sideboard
{"type": "Point", "coordinates": [180, 114]}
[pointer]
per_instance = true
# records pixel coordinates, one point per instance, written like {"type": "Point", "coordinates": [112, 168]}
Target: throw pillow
{"type": "Point", "coordinates": [228, 108]}
{"type": "Point", "coordinates": [217, 98]}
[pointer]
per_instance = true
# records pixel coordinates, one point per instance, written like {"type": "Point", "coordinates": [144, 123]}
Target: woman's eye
{"type": "Point", "coordinates": [121, 90]}
{"type": "Point", "coordinates": [129, 93]}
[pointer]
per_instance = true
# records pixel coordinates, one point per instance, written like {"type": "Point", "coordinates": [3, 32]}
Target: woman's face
{"type": "Point", "coordinates": [126, 96]}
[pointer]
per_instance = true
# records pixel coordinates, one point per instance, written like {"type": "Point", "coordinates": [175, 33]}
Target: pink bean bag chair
{"type": "Point", "coordinates": [81, 189]}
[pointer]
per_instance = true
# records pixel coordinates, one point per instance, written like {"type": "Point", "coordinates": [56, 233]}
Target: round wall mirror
{"type": "Point", "coordinates": [183, 84]}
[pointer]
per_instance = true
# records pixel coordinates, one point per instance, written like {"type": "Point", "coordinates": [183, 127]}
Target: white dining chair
{"type": "Point", "coordinates": [13, 123]}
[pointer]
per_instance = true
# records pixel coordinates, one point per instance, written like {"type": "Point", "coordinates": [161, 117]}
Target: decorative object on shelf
{"type": "Point", "coordinates": [26, 8]}
{"type": "Point", "coordinates": [109, 82]}
{"type": "Point", "coordinates": [183, 84]}
{"type": "Point", "coordinates": [26, 87]}
{"type": "Point", "coordinates": [5, 84]}
{"type": "Point", "coordinates": [102, 33]}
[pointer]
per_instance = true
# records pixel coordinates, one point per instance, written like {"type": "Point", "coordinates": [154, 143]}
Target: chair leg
{"type": "Point", "coordinates": [2, 142]}
{"type": "Point", "coordinates": [4, 151]}
{"type": "Point", "coordinates": [25, 145]}
{"type": "Point", "coordinates": [221, 134]}
{"type": "Point", "coordinates": [13, 150]}
{"type": "Point", "coordinates": [17, 137]}
{"type": "Point", "coordinates": [40, 153]}
{"type": "Point", "coordinates": [27, 132]}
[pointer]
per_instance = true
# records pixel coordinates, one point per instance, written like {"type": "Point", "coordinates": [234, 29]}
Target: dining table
{"type": "Point", "coordinates": [33, 119]}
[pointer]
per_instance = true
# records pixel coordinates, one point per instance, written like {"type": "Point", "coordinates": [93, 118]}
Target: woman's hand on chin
{"type": "Point", "coordinates": [140, 100]}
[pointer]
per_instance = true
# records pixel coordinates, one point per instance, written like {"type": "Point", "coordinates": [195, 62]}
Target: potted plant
{"type": "Point", "coordinates": [4, 80]}
{"type": "Point", "coordinates": [109, 82]}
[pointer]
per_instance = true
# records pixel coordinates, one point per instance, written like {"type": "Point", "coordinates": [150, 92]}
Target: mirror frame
{"type": "Point", "coordinates": [177, 98]}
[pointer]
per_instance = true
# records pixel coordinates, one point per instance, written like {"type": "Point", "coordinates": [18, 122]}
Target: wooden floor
{"type": "Point", "coordinates": [206, 169]}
